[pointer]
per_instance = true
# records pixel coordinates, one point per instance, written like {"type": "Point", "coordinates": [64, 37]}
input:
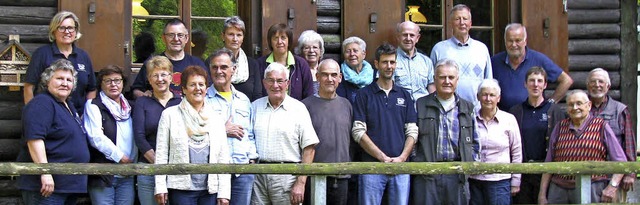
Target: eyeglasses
{"type": "Point", "coordinates": [161, 75]}
{"type": "Point", "coordinates": [116, 81]}
{"type": "Point", "coordinates": [173, 35]}
{"type": "Point", "coordinates": [69, 29]}
{"type": "Point", "coordinates": [309, 48]}
{"type": "Point", "coordinates": [274, 81]}
{"type": "Point", "coordinates": [572, 104]}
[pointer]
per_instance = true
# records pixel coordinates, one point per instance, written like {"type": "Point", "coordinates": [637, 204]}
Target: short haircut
{"type": "Point", "coordinates": [233, 22]}
{"type": "Point", "coordinates": [174, 22]}
{"type": "Point", "coordinates": [489, 83]}
{"type": "Point", "coordinates": [275, 67]}
{"type": "Point", "coordinates": [399, 26]}
{"type": "Point", "coordinates": [108, 70]}
{"type": "Point", "coordinates": [58, 19]}
{"type": "Point", "coordinates": [191, 71]}
{"type": "Point", "coordinates": [159, 63]}
{"type": "Point", "coordinates": [310, 37]}
{"type": "Point", "coordinates": [354, 39]}
{"type": "Point", "coordinates": [536, 70]}
{"type": "Point", "coordinates": [219, 52]}
{"type": "Point", "coordinates": [515, 26]}
{"type": "Point", "coordinates": [60, 64]}
{"type": "Point", "coordinates": [575, 92]}
{"type": "Point", "coordinates": [459, 7]}
{"type": "Point", "coordinates": [446, 62]}
{"type": "Point", "coordinates": [600, 70]}
{"type": "Point", "coordinates": [274, 29]}
{"type": "Point", "coordinates": [385, 49]}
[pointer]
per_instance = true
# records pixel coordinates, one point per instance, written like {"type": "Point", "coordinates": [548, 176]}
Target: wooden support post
{"type": "Point", "coordinates": [319, 190]}
{"type": "Point", "coordinates": [583, 184]}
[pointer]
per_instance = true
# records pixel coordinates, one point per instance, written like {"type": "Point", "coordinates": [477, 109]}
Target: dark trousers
{"type": "Point", "coordinates": [529, 189]}
{"type": "Point", "coordinates": [337, 191]}
{"type": "Point", "coordinates": [490, 192]}
{"type": "Point", "coordinates": [439, 189]}
{"type": "Point", "coordinates": [184, 197]}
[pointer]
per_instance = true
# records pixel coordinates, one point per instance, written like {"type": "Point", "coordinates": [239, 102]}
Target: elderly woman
{"type": "Point", "coordinates": [146, 115]}
{"type": "Point", "coordinates": [247, 78]}
{"type": "Point", "coordinates": [53, 133]}
{"type": "Point", "coordinates": [191, 133]}
{"type": "Point", "coordinates": [356, 72]}
{"type": "Point", "coordinates": [108, 123]}
{"type": "Point", "coordinates": [280, 40]}
{"type": "Point", "coordinates": [64, 30]}
{"type": "Point", "coordinates": [500, 139]}
{"type": "Point", "coordinates": [311, 48]}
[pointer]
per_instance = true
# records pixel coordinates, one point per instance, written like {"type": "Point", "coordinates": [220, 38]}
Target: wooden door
{"type": "Point", "coordinates": [372, 20]}
{"type": "Point", "coordinates": [547, 29]}
{"type": "Point", "coordinates": [106, 30]}
{"type": "Point", "coordinates": [299, 15]}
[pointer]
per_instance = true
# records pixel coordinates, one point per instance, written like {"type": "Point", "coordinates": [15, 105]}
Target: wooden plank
{"type": "Point", "coordinates": [589, 62]}
{"type": "Point", "coordinates": [328, 25]}
{"type": "Point", "coordinates": [553, 40]}
{"type": "Point", "coordinates": [629, 57]}
{"type": "Point", "coordinates": [594, 31]}
{"type": "Point", "coordinates": [28, 33]}
{"type": "Point", "coordinates": [594, 46]}
{"type": "Point", "coordinates": [319, 190]}
{"type": "Point", "coordinates": [26, 15]}
{"type": "Point", "coordinates": [328, 8]}
{"type": "Point", "coordinates": [11, 110]}
{"type": "Point", "coordinates": [9, 188]}
{"type": "Point", "coordinates": [50, 3]}
{"type": "Point", "coordinates": [580, 79]}
{"type": "Point", "coordinates": [615, 94]}
{"type": "Point", "coordinates": [9, 149]}
{"type": "Point", "coordinates": [580, 16]}
{"type": "Point", "coordinates": [332, 43]}
{"type": "Point", "coordinates": [12, 200]}
{"type": "Point", "coordinates": [583, 185]}
{"type": "Point", "coordinates": [593, 4]}
{"type": "Point", "coordinates": [11, 129]}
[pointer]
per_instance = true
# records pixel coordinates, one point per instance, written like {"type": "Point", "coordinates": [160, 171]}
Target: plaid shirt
{"type": "Point", "coordinates": [448, 136]}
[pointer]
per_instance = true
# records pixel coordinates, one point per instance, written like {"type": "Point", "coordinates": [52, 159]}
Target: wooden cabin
{"type": "Point", "coordinates": [578, 35]}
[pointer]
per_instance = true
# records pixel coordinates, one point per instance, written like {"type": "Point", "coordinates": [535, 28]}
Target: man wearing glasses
{"type": "Point", "coordinates": [175, 38]}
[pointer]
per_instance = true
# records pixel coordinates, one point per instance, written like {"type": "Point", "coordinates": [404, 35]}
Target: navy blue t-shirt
{"type": "Point", "coordinates": [142, 83]}
{"type": "Point", "coordinates": [44, 56]}
{"type": "Point", "coordinates": [535, 122]}
{"type": "Point", "coordinates": [146, 116]}
{"type": "Point", "coordinates": [65, 141]}
{"type": "Point", "coordinates": [513, 81]}
{"type": "Point", "coordinates": [385, 117]}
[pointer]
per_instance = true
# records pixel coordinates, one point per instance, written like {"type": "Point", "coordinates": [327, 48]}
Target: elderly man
{"type": "Point", "coordinates": [384, 126]}
{"type": "Point", "coordinates": [414, 71]}
{"type": "Point", "coordinates": [447, 133]}
{"type": "Point", "coordinates": [471, 55]}
{"type": "Point", "coordinates": [616, 114]}
{"type": "Point", "coordinates": [510, 67]}
{"type": "Point", "coordinates": [581, 137]}
{"type": "Point", "coordinates": [175, 37]}
{"type": "Point", "coordinates": [236, 107]}
{"type": "Point", "coordinates": [356, 72]}
{"type": "Point", "coordinates": [284, 134]}
{"type": "Point", "coordinates": [331, 116]}
{"type": "Point", "coordinates": [536, 118]}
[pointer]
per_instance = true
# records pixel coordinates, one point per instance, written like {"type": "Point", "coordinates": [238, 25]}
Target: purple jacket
{"type": "Point", "coordinates": [300, 79]}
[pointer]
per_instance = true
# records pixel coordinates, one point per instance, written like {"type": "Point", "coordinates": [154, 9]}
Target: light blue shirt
{"type": "Point", "coordinates": [240, 109]}
{"type": "Point", "coordinates": [413, 73]}
{"type": "Point", "coordinates": [124, 146]}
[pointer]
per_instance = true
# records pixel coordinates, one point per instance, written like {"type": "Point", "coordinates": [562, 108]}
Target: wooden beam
{"type": "Point", "coordinates": [11, 129]}
{"type": "Point", "coordinates": [26, 15]}
{"type": "Point", "coordinates": [594, 46]}
{"type": "Point", "coordinates": [580, 16]}
{"type": "Point", "coordinates": [593, 4]}
{"type": "Point", "coordinates": [28, 33]}
{"type": "Point", "coordinates": [328, 25]}
{"type": "Point", "coordinates": [589, 62]}
{"type": "Point", "coordinates": [594, 31]}
{"type": "Point", "coordinates": [580, 79]}
{"type": "Point", "coordinates": [328, 8]}
{"type": "Point", "coordinates": [10, 110]}
{"type": "Point", "coordinates": [50, 3]}
{"type": "Point", "coordinates": [629, 57]}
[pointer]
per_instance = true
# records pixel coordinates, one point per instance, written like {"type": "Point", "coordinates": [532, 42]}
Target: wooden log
{"type": "Point", "coordinates": [594, 31]}
{"type": "Point", "coordinates": [11, 129]}
{"type": "Point", "coordinates": [7, 95]}
{"type": "Point", "coordinates": [50, 3]}
{"type": "Point", "coordinates": [27, 15]}
{"type": "Point", "coordinates": [9, 188]}
{"type": "Point", "coordinates": [592, 4]}
{"type": "Point", "coordinates": [328, 25]}
{"type": "Point", "coordinates": [334, 56]}
{"type": "Point", "coordinates": [579, 16]}
{"type": "Point", "coordinates": [580, 79]}
{"type": "Point", "coordinates": [11, 200]}
{"type": "Point", "coordinates": [419, 168]}
{"type": "Point", "coordinates": [615, 94]}
{"type": "Point", "coordinates": [9, 149]}
{"type": "Point", "coordinates": [629, 57]}
{"type": "Point", "coordinates": [11, 110]}
{"type": "Point", "coordinates": [28, 33]}
{"type": "Point", "coordinates": [328, 7]}
{"type": "Point", "coordinates": [332, 43]}
{"type": "Point", "coordinates": [589, 62]}
{"type": "Point", "coordinates": [594, 46]}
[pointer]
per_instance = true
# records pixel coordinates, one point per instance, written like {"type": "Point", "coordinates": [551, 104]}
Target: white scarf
{"type": "Point", "coordinates": [242, 69]}
{"type": "Point", "coordinates": [120, 111]}
{"type": "Point", "coordinates": [196, 122]}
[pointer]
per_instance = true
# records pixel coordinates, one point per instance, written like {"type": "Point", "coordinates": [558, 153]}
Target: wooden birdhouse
{"type": "Point", "coordinates": [14, 60]}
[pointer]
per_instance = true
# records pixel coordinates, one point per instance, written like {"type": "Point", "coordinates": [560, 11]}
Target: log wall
{"type": "Point", "coordinates": [329, 25]}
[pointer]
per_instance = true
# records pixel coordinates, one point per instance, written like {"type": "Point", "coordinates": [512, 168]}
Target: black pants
{"type": "Point", "coordinates": [529, 189]}
{"type": "Point", "coordinates": [337, 189]}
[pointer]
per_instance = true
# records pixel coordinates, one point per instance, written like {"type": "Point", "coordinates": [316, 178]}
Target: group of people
{"type": "Point", "coordinates": [459, 104]}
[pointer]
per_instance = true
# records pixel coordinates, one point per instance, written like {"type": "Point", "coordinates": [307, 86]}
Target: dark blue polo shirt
{"type": "Point", "coordinates": [65, 141]}
{"type": "Point", "coordinates": [146, 116]}
{"type": "Point", "coordinates": [512, 81]}
{"type": "Point", "coordinates": [142, 83]}
{"type": "Point", "coordinates": [385, 117]}
{"type": "Point", "coordinates": [44, 56]}
{"type": "Point", "coordinates": [534, 130]}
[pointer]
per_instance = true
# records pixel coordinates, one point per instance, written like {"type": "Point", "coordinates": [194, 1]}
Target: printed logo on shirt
{"type": "Point", "coordinates": [544, 117]}
{"type": "Point", "coordinates": [400, 102]}
{"type": "Point", "coordinates": [81, 67]}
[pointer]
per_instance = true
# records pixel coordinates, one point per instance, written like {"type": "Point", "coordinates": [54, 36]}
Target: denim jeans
{"type": "Point", "coordinates": [372, 187]}
{"type": "Point", "coordinates": [35, 198]}
{"type": "Point", "coordinates": [122, 192]}
{"type": "Point", "coordinates": [490, 192]}
{"type": "Point", "coordinates": [185, 197]}
{"type": "Point", "coordinates": [241, 187]}
{"type": "Point", "coordinates": [146, 190]}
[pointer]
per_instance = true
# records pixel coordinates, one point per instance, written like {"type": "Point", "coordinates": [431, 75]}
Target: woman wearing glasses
{"type": "Point", "coordinates": [64, 30]}
{"type": "Point", "coordinates": [110, 133]}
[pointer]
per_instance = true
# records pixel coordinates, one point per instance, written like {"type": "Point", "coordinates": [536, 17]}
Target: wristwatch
{"type": "Point", "coordinates": [613, 184]}
{"type": "Point", "coordinates": [552, 100]}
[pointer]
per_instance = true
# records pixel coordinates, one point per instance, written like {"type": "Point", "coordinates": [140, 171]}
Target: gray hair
{"type": "Point", "coordinates": [310, 37]}
{"type": "Point", "coordinates": [489, 83]}
{"type": "Point", "coordinates": [576, 92]}
{"type": "Point", "coordinates": [219, 52]}
{"type": "Point", "coordinates": [459, 7]}
{"type": "Point", "coordinates": [603, 72]}
{"type": "Point", "coordinates": [60, 64]}
{"type": "Point", "coordinates": [354, 39]}
{"type": "Point", "coordinates": [233, 22]}
{"type": "Point", "coordinates": [275, 67]}
{"type": "Point", "coordinates": [448, 63]}
{"type": "Point", "coordinates": [515, 26]}
{"type": "Point", "coordinates": [58, 19]}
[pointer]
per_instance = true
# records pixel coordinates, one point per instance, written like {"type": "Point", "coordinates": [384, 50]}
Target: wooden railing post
{"type": "Point", "coordinates": [583, 183]}
{"type": "Point", "coordinates": [319, 190]}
